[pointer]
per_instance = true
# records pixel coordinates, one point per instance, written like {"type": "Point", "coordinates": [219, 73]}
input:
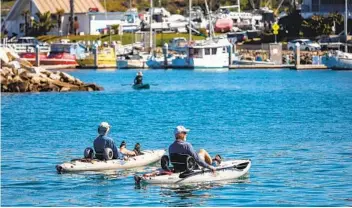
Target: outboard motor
{"type": "Point", "coordinates": [89, 153]}
{"type": "Point", "coordinates": [108, 154]}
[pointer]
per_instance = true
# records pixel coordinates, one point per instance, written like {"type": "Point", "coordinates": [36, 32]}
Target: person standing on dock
{"type": "Point", "coordinates": [139, 78]}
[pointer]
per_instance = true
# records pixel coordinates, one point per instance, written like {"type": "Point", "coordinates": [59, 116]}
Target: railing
{"type": "Point", "coordinates": [26, 48]}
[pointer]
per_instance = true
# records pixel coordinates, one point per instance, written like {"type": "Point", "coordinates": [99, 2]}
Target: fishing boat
{"type": "Point", "coordinates": [63, 53]}
{"type": "Point", "coordinates": [211, 53]}
{"type": "Point", "coordinates": [106, 59]}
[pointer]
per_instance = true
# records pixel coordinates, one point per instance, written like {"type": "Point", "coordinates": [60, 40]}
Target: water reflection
{"type": "Point", "coordinates": [199, 194]}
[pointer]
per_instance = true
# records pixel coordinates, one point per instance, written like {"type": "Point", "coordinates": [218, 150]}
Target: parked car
{"type": "Point", "coordinates": [305, 44]}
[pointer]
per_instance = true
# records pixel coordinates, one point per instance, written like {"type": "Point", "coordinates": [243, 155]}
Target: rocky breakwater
{"type": "Point", "coordinates": [17, 76]}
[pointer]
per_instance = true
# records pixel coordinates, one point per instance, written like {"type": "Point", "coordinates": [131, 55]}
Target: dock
{"type": "Point", "coordinates": [280, 66]}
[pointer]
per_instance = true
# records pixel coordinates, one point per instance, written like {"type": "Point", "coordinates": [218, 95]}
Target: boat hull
{"type": "Point", "coordinates": [149, 157]}
{"type": "Point", "coordinates": [207, 176]}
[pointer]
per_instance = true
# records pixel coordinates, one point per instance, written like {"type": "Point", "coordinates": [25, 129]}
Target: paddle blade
{"type": "Point", "coordinates": [241, 166]}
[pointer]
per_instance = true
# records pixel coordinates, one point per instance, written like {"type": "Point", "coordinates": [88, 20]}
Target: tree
{"type": "Point", "coordinates": [43, 24]}
{"type": "Point", "coordinates": [26, 14]}
{"type": "Point", "coordinates": [59, 14]}
{"type": "Point", "coordinates": [291, 24]}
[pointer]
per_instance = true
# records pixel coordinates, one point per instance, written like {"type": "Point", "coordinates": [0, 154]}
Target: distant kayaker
{"type": "Point", "coordinates": [103, 141]}
{"type": "Point", "coordinates": [139, 78]}
{"type": "Point", "coordinates": [180, 146]}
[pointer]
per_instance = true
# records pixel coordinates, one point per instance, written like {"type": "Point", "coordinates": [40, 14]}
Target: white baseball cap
{"type": "Point", "coordinates": [180, 129]}
{"type": "Point", "coordinates": [104, 125]}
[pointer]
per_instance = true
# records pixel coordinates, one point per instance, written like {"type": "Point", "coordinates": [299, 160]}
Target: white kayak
{"type": "Point", "coordinates": [225, 171]}
{"type": "Point", "coordinates": [148, 157]}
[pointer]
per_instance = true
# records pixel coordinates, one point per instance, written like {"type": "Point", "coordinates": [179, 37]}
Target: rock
{"type": "Point", "coordinates": [94, 87]}
{"type": "Point", "coordinates": [17, 79]}
{"type": "Point", "coordinates": [14, 65]}
{"type": "Point", "coordinates": [67, 77]}
{"type": "Point", "coordinates": [63, 84]}
{"type": "Point", "coordinates": [64, 89]}
{"type": "Point", "coordinates": [89, 89]}
{"type": "Point", "coordinates": [54, 76]}
{"type": "Point", "coordinates": [3, 56]}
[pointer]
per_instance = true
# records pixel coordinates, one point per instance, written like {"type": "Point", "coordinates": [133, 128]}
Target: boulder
{"type": "Point", "coordinates": [64, 89]}
{"type": "Point", "coordinates": [3, 56]}
{"type": "Point", "coordinates": [67, 77]}
{"type": "Point", "coordinates": [14, 65]}
{"type": "Point", "coordinates": [64, 84]}
{"type": "Point", "coordinates": [54, 76]}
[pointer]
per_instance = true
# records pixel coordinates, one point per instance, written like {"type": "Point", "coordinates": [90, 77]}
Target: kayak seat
{"type": "Point", "coordinates": [106, 155]}
{"type": "Point", "coordinates": [182, 162]}
{"type": "Point", "coordinates": [88, 153]}
{"type": "Point", "coordinates": [165, 162]}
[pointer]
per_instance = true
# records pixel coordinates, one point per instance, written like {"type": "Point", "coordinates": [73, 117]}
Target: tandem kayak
{"type": "Point", "coordinates": [228, 170]}
{"type": "Point", "coordinates": [76, 165]}
{"type": "Point", "coordinates": [141, 86]}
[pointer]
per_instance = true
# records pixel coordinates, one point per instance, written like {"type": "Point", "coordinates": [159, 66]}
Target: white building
{"type": "Point", "coordinates": [15, 22]}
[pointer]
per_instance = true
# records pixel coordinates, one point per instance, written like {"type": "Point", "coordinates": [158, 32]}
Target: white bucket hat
{"type": "Point", "coordinates": [103, 128]}
{"type": "Point", "coordinates": [180, 129]}
{"type": "Point", "coordinates": [140, 73]}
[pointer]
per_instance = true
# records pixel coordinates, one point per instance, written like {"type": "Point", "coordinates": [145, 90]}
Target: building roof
{"type": "Point", "coordinates": [81, 6]}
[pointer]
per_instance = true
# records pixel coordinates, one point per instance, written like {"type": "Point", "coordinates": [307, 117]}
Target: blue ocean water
{"type": "Point", "coordinates": [295, 126]}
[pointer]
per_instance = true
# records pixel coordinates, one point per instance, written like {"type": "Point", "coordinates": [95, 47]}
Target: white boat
{"type": "Point", "coordinates": [77, 165]}
{"type": "Point", "coordinates": [212, 53]}
{"type": "Point", "coordinates": [228, 170]}
{"type": "Point", "coordinates": [338, 60]}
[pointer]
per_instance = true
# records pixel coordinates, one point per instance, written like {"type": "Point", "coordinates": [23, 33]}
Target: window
{"type": "Point", "coordinates": [207, 51]}
{"type": "Point", "coordinates": [198, 53]}
{"type": "Point", "coordinates": [213, 51]}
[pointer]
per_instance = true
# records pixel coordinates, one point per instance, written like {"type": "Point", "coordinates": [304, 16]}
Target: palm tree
{"type": "Point", "coordinates": [25, 14]}
{"type": "Point", "coordinates": [59, 14]}
{"type": "Point", "coordinates": [44, 23]}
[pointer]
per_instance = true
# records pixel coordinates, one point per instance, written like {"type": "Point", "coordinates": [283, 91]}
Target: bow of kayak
{"type": "Point", "coordinates": [148, 157]}
{"type": "Point", "coordinates": [226, 171]}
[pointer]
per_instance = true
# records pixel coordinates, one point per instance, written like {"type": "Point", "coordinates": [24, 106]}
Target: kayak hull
{"type": "Point", "coordinates": [208, 176]}
{"type": "Point", "coordinates": [149, 157]}
{"type": "Point", "coordinates": [141, 86]}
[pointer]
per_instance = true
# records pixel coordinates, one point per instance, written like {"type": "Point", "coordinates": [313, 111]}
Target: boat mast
{"type": "Point", "coordinates": [150, 26]}
{"type": "Point", "coordinates": [346, 20]}
{"type": "Point", "coordinates": [72, 8]}
{"type": "Point", "coordinates": [211, 30]}
{"type": "Point", "coordinates": [189, 21]}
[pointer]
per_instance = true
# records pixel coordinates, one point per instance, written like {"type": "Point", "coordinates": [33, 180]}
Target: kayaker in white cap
{"type": "Point", "coordinates": [103, 141]}
{"type": "Point", "coordinates": [180, 146]}
{"type": "Point", "coordinates": [139, 78]}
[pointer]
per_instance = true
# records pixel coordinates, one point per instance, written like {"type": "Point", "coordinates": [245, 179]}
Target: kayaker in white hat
{"type": "Point", "coordinates": [139, 78]}
{"type": "Point", "coordinates": [180, 146]}
{"type": "Point", "coordinates": [103, 141]}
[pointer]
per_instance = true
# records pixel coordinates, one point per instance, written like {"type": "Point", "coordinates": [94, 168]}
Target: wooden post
{"type": "Point", "coordinates": [95, 54]}
{"type": "Point", "coordinates": [297, 54]}
{"type": "Point", "coordinates": [165, 52]}
{"type": "Point", "coordinates": [37, 55]}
